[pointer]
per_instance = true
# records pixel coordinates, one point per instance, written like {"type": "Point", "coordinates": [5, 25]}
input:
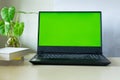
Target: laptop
{"type": "Point", "coordinates": [70, 38]}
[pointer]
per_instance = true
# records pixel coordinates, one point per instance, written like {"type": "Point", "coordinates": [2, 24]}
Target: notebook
{"type": "Point", "coordinates": [70, 38]}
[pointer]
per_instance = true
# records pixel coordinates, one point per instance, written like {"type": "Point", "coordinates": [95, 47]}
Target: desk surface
{"type": "Point", "coordinates": [27, 71]}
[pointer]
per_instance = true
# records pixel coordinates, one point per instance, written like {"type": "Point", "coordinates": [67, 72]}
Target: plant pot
{"type": "Point", "coordinates": [12, 42]}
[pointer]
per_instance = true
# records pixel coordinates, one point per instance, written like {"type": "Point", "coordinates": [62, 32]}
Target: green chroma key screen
{"type": "Point", "coordinates": [70, 29]}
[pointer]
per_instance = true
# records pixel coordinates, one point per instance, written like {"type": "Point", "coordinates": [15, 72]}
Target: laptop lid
{"type": "Point", "coordinates": [70, 32]}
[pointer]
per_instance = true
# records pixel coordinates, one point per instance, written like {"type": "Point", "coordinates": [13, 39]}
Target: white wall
{"type": "Point", "coordinates": [110, 17]}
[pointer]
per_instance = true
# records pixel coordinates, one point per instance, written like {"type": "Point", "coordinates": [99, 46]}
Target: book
{"type": "Point", "coordinates": [12, 53]}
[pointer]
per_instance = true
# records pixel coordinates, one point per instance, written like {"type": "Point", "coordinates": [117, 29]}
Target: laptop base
{"type": "Point", "coordinates": [36, 60]}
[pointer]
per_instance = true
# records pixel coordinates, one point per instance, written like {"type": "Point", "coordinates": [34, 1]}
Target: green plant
{"type": "Point", "coordinates": [8, 25]}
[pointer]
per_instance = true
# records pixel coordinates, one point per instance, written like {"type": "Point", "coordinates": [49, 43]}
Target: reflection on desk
{"type": "Point", "coordinates": [27, 71]}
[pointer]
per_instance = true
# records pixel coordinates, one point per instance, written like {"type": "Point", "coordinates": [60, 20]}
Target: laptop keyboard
{"type": "Point", "coordinates": [78, 59]}
{"type": "Point", "coordinates": [71, 56]}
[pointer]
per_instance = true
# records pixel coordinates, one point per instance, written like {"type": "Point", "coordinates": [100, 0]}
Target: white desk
{"type": "Point", "coordinates": [27, 71]}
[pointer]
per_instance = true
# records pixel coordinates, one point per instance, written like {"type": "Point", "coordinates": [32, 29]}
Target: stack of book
{"type": "Point", "coordinates": [12, 54]}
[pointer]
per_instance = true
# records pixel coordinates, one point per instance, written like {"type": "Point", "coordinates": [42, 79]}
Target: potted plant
{"type": "Point", "coordinates": [10, 27]}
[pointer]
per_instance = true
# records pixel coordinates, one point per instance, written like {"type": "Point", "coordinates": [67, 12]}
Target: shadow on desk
{"type": "Point", "coordinates": [115, 62]}
{"type": "Point", "coordinates": [12, 62]}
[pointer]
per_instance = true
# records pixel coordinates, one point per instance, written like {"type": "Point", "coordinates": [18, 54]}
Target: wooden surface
{"type": "Point", "coordinates": [27, 71]}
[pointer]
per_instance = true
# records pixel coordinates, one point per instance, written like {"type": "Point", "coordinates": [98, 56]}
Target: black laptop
{"type": "Point", "coordinates": [70, 38]}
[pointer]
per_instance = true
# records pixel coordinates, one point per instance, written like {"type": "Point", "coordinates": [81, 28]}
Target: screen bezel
{"type": "Point", "coordinates": [70, 49]}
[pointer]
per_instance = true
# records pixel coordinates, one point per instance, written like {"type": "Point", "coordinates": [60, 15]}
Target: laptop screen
{"type": "Point", "coordinates": [81, 29]}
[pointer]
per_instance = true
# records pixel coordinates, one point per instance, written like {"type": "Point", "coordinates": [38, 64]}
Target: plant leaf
{"type": "Point", "coordinates": [4, 14]}
{"type": "Point", "coordinates": [1, 22]}
{"type": "Point", "coordinates": [7, 27]}
{"type": "Point", "coordinates": [11, 12]}
{"type": "Point", "coordinates": [18, 29]}
{"type": "Point", "coordinates": [21, 28]}
{"type": "Point", "coordinates": [2, 28]}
